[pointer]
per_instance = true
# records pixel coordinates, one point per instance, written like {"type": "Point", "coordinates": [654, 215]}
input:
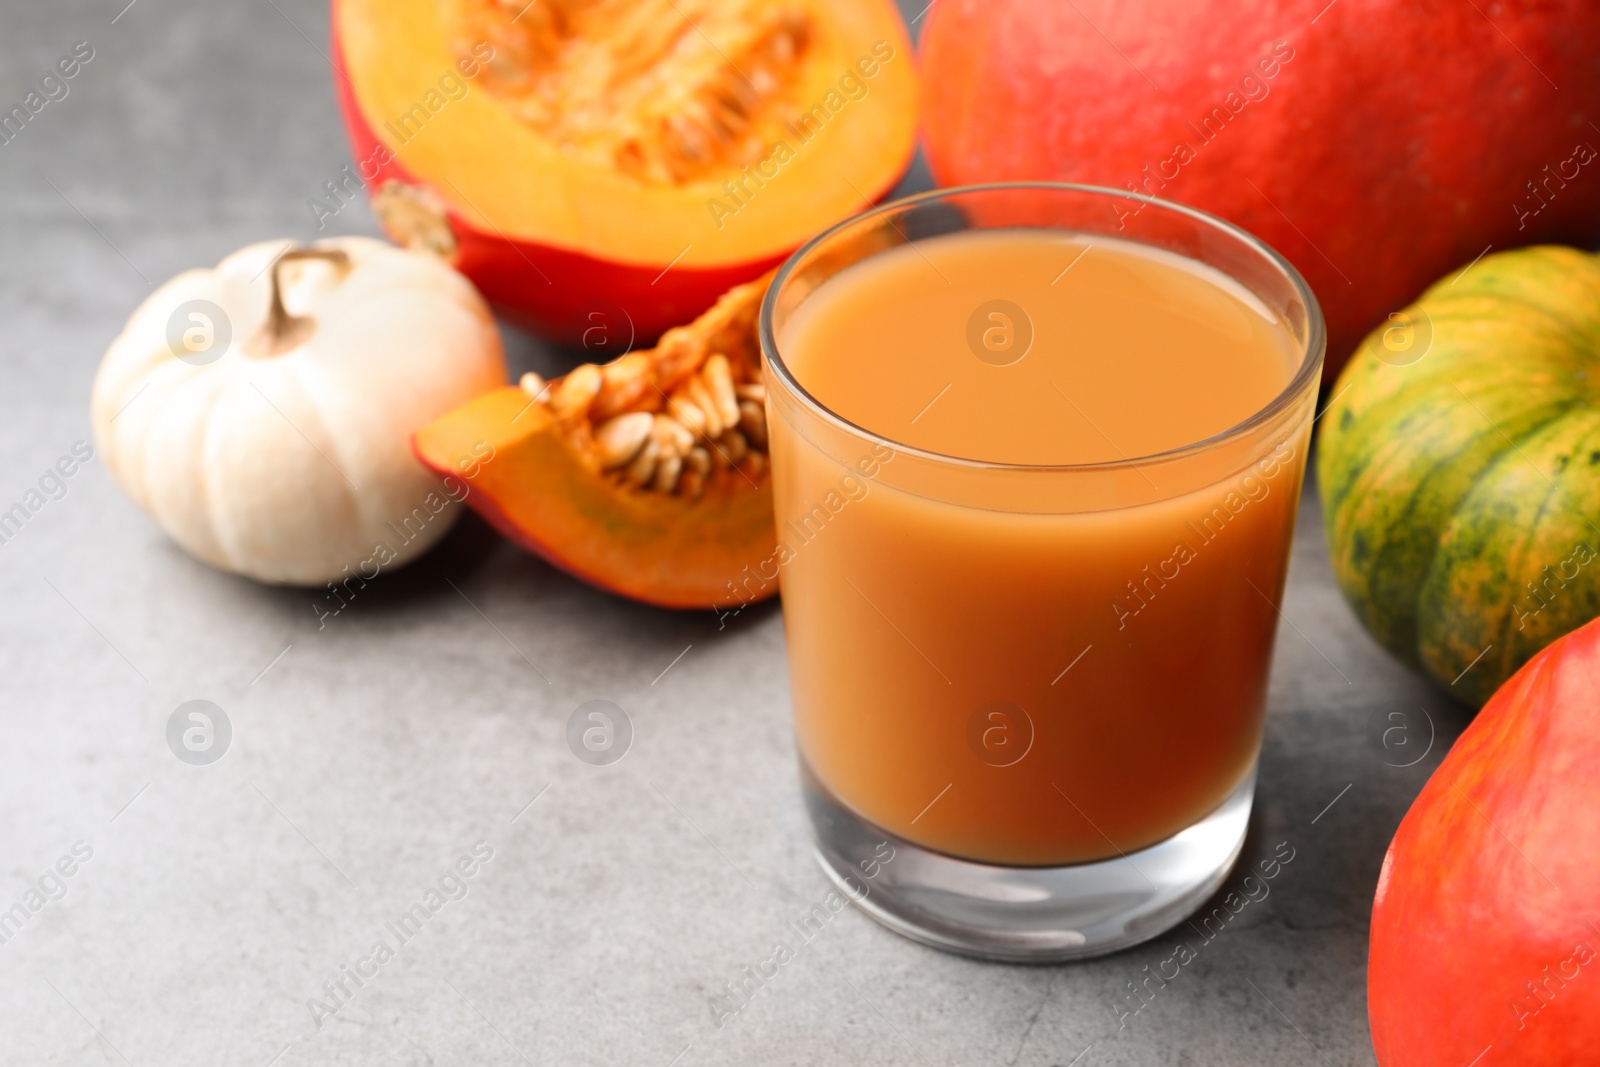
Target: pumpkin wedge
{"type": "Point", "coordinates": [628, 158]}
{"type": "Point", "coordinates": [646, 476]}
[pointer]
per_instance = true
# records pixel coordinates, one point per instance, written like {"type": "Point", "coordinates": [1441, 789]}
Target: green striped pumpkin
{"type": "Point", "coordinates": [1459, 467]}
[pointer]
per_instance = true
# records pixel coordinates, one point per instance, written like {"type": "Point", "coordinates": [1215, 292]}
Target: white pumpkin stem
{"type": "Point", "coordinates": [284, 331]}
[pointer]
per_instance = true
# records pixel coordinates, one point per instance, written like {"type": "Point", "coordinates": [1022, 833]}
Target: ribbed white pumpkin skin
{"type": "Point", "coordinates": [290, 468]}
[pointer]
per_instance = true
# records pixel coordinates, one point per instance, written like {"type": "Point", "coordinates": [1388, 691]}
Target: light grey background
{"type": "Point", "coordinates": [368, 756]}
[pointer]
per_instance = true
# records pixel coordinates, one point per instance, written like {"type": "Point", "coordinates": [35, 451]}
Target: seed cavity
{"type": "Point", "coordinates": [666, 91]}
{"type": "Point", "coordinates": [677, 450]}
{"type": "Point", "coordinates": [677, 419]}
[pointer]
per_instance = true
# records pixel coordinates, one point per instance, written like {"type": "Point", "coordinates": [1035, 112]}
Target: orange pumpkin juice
{"type": "Point", "coordinates": [1001, 661]}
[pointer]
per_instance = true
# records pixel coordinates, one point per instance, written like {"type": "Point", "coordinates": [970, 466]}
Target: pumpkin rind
{"type": "Point", "coordinates": [1486, 889]}
{"type": "Point", "coordinates": [1452, 482]}
{"type": "Point", "coordinates": [1336, 133]}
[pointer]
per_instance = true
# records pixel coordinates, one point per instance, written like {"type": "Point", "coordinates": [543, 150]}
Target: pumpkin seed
{"type": "Point", "coordinates": [753, 422]}
{"type": "Point", "coordinates": [533, 385]}
{"type": "Point", "coordinates": [751, 391]}
{"type": "Point", "coordinates": [643, 466]}
{"type": "Point", "coordinates": [577, 391]}
{"type": "Point", "coordinates": [686, 412]}
{"type": "Point", "coordinates": [737, 447]}
{"type": "Point", "coordinates": [718, 376]}
{"type": "Point", "coordinates": [673, 438]}
{"type": "Point", "coordinates": [698, 461]}
{"type": "Point", "coordinates": [624, 382]}
{"type": "Point", "coordinates": [697, 391]}
{"type": "Point", "coordinates": [620, 439]}
{"type": "Point", "coordinates": [667, 473]}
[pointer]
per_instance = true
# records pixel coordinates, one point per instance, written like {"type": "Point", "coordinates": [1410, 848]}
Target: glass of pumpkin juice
{"type": "Point", "coordinates": [1037, 453]}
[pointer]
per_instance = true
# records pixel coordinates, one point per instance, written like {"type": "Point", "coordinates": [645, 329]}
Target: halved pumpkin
{"type": "Point", "coordinates": [646, 476]}
{"type": "Point", "coordinates": [641, 156]}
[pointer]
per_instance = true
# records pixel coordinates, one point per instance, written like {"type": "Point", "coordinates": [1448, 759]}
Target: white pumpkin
{"type": "Point", "coordinates": [262, 412]}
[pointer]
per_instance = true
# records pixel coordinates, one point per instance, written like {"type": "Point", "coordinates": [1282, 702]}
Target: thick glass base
{"type": "Point", "coordinates": [1026, 914]}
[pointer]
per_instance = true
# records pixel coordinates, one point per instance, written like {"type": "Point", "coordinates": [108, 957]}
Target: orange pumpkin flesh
{"type": "Point", "coordinates": [654, 525]}
{"type": "Point", "coordinates": [646, 155]}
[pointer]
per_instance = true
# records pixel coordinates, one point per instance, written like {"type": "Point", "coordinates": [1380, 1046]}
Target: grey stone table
{"type": "Point", "coordinates": [608, 907]}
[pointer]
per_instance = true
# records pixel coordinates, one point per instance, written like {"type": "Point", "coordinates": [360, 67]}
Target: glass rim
{"type": "Point", "coordinates": [1310, 362]}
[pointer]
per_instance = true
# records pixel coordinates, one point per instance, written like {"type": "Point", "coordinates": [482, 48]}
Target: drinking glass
{"type": "Point", "coordinates": [996, 758]}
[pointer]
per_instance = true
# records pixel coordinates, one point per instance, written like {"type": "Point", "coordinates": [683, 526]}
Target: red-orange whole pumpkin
{"type": "Point", "coordinates": [1486, 926]}
{"type": "Point", "coordinates": [1375, 143]}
